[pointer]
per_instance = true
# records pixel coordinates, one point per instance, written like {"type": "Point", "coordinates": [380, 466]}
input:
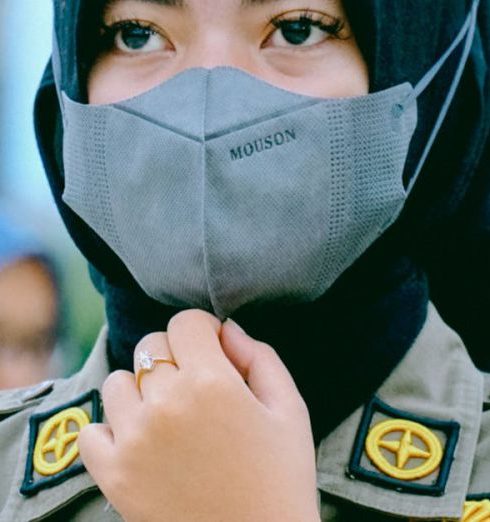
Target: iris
{"type": "Point", "coordinates": [296, 32]}
{"type": "Point", "coordinates": [135, 37]}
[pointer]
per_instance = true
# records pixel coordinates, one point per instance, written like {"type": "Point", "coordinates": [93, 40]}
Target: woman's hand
{"type": "Point", "coordinates": [198, 444]}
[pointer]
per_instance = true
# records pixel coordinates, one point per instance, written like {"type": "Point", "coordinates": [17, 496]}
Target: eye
{"type": "Point", "coordinates": [302, 32]}
{"type": "Point", "coordinates": [135, 38]}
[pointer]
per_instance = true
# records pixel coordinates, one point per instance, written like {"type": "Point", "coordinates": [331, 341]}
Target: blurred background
{"type": "Point", "coordinates": [30, 229]}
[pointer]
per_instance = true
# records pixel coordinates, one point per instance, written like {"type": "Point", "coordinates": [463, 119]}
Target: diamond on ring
{"type": "Point", "coordinates": [145, 360]}
{"type": "Point", "coordinates": [146, 363]}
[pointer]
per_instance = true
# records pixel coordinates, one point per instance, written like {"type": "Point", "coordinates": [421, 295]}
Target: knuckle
{"type": "Point", "coordinates": [156, 404]}
{"type": "Point", "coordinates": [266, 348]}
{"type": "Point", "coordinates": [132, 441]}
{"type": "Point", "coordinates": [113, 382]}
{"type": "Point", "coordinates": [161, 406]}
{"type": "Point", "coordinates": [303, 407]}
{"type": "Point", "coordinates": [150, 340]}
{"type": "Point", "coordinates": [134, 437]}
{"type": "Point", "coordinates": [297, 407]}
{"type": "Point", "coordinates": [182, 319]}
{"type": "Point", "coordinates": [168, 410]}
{"type": "Point", "coordinates": [208, 383]}
{"type": "Point", "coordinates": [159, 417]}
{"type": "Point", "coordinates": [266, 351]}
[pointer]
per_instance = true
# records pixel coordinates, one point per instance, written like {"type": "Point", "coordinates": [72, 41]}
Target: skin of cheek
{"type": "Point", "coordinates": [112, 80]}
{"type": "Point", "coordinates": [341, 73]}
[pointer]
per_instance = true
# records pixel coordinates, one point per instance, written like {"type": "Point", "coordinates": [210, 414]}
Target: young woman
{"type": "Point", "coordinates": [313, 170]}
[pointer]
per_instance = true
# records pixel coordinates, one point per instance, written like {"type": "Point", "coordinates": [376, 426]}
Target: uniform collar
{"type": "Point", "coordinates": [436, 386]}
{"type": "Point", "coordinates": [46, 501]}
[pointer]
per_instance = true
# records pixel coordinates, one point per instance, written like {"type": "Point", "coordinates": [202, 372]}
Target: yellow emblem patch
{"type": "Point", "coordinates": [52, 454]}
{"type": "Point", "coordinates": [476, 511]}
{"type": "Point", "coordinates": [58, 438]}
{"type": "Point", "coordinates": [404, 449]}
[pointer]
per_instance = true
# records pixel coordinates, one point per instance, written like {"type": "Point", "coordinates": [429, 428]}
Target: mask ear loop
{"type": "Point", "coordinates": [467, 30]}
{"type": "Point", "coordinates": [56, 65]}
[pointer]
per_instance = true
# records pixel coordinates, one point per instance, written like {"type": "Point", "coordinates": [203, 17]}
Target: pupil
{"type": "Point", "coordinates": [135, 37]}
{"type": "Point", "coordinates": [297, 32]}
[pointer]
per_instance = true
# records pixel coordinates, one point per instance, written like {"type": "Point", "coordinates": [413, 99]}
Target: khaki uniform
{"type": "Point", "coordinates": [418, 450]}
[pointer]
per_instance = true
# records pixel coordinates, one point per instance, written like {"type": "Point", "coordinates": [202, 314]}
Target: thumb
{"type": "Point", "coordinates": [260, 366]}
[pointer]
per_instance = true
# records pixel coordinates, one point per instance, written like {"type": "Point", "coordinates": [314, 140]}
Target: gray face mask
{"type": "Point", "coordinates": [218, 190]}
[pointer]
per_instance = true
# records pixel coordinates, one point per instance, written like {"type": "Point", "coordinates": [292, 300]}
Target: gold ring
{"type": "Point", "coordinates": [147, 363]}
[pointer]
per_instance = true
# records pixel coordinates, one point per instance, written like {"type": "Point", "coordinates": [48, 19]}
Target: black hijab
{"type": "Point", "coordinates": [340, 348]}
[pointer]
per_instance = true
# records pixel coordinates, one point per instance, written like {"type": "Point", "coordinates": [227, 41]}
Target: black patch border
{"type": "Point", "coordinates": [478, 497]}
{"type": "Point", "coordinates": [450, 428]}
{"type": "Point", "coordinates": [30, 487]}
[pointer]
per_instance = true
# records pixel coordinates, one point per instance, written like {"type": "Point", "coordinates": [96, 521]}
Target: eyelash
{"type": "Point", "coordinates": [334, 28]}
{"type": "Point", "coordinates": [109, 31]}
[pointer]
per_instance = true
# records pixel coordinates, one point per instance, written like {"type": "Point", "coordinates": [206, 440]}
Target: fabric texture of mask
{"type": "Point", "coordinates": [219, 190]}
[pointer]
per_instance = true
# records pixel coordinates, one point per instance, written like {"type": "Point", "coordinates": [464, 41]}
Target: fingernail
{"type": "Point", "coordinates": [235, 326]}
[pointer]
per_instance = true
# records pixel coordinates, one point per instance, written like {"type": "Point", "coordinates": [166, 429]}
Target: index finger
{"type": "Point", "coordinates": [193, 336]}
